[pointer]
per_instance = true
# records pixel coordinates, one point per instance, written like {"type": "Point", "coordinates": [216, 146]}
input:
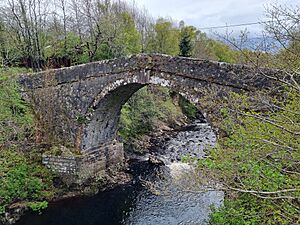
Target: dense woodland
{"type": "Point", "coordinates": [42, 34]}
{"type": "Point", "coordinates": [257, 160]}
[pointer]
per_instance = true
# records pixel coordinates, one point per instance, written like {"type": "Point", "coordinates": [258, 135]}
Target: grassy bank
{"type": "Point", "coordinates": [22, 177]}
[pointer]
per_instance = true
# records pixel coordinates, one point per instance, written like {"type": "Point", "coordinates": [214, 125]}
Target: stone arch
{"type": "Point", "coordinates": [66, 99]}
{"type": "Point", "coordinates": [103, 114]}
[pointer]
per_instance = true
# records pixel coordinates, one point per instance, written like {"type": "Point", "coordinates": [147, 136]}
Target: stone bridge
{"type": "Point", "coordinates": [79, 107]}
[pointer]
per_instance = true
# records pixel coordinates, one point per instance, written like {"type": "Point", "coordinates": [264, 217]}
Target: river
{"type": "Point", "coordinates": [157, 195]}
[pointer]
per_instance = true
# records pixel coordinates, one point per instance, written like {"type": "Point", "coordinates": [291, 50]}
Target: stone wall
{"type": "Point", "coordinates": [67, 165]}
{"type": "Point", "coordinates": [77, 169]}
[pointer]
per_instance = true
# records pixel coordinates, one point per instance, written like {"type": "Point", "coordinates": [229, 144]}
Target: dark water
{"type": "Point", "coordinates": [106, 208]}
{"type": "Point", "coordinates": [129, 204]}
{"type": "Point", "coordinates": [137, 204]}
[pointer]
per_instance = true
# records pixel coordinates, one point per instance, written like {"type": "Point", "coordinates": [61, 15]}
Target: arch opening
{"type": "Point", "coordinates": [102, 126]}
{"type": "Point", "coordinates": [103, 123]}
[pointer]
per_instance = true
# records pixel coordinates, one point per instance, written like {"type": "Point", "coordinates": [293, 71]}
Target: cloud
{"type": "Point", "coordinates": [207, 13]}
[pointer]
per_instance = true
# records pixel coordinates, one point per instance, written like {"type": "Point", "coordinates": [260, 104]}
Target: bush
{"type": "Point", "coordinates": [15, 116]}
{"type": "Point", "coordinates": [38, 206]}
{"type": "Point", "coordinates": [21, 179]}
{"type": "Point", "coordinates": [258, 164]}
{"type": "Point", "coordinates": [138, 115]}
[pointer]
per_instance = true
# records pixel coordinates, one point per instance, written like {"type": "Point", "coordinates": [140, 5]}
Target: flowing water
{"type": "Point", "coordinates": [157, 195]}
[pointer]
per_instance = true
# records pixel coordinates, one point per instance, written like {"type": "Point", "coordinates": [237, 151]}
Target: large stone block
{"type": "Point", "coordinates": [79, 168]}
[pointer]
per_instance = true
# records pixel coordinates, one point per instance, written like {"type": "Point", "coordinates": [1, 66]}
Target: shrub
{"type": "Point", "coordinates": [258, 164]}
{"type": "Point", "coordinates": [21, 178]}
{"type": "Point", "coordinates": [15, 116]}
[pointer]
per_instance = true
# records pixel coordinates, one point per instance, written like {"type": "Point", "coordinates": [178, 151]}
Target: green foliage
{"type": "Point", "coordinates": [237, 212]}
{"type": "Point", "coordinates": [250, 210]}
{"type": "Point", "coordinates": [257, 58]}
{"type": "Point", "coordinates": [222, 52]}
{"type": "Point", "coordinates": [188, 108]}
{"type": "Point", "coordinates": [81, 119]}
{"type": "Point", "coordinates": [9, 52]}
{"type": "Point", "coordinates": [119, 36]}
{"type": "Point", "coordinates": [187, 40]}
{"type": "Point", "coordinates": [6, 72]}
{"type": "Point", "coordinates": [138, 115]}
{"type": "Point", "coordinates": [289, 57]}
{"type": "Point", "coordinates": [148, 109]}
{"type": "Point", "coordinates": [102, 30]}
{"type": "Point", "coordinates": [69, 47]}
{"type": "Point", "coordinates": [130, 38]}
{"type": "Point", "coordinates": [38, 206]}
{"type": "Point", "coordinates": [21, 179]}
{"type": "Point", "coordinates": [207, 48]}
{"type": "Point", "coordinates": [15, 116]}
{"type": "Point", "coordinates": [261, 154]}
{"type": "Point", "coordinates": [165, 38]}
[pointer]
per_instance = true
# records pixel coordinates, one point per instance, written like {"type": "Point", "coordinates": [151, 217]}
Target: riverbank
{"type": "Point", "coordinates": [154, 194]}
{"type": "Point", "coordinates": [16, 211]}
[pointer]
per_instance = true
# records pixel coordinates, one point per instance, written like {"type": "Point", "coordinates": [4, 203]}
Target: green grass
{"type": "Point", "coordinates": [15, 116]}
{"type": "Point", "coordinates": [22, 178]}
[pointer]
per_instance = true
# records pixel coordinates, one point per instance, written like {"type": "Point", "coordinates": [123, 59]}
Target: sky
{"type": "Point", "coordinates": [210, 13]}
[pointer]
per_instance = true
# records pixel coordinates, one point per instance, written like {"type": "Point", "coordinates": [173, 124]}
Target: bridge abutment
{"type": "Point", "coordinates": [77, 169]}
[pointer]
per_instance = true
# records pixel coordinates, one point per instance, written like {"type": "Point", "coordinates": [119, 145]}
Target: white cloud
{"type": "Point", "coordinates": [207, 13]}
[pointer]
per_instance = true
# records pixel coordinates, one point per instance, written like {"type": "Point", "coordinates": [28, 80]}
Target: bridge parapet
{"type": "Point", "coordinates": [239, 76]}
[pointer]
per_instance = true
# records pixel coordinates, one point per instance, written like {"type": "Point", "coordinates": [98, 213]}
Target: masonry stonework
{"type": "Point", "coordinates": [79, 168]}
{"type": "Point", "coordinates": [79, 107]}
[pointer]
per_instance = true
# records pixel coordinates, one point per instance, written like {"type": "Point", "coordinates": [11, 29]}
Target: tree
{"type": "Point", "coordinates": [25, 20]}
{"type": "Point", "coordinates": [3, 45]}
{"type": "Point", "coordinates": [144, 23]}
{"type": "Point", "coordinates": [222, 51]}
{"type": "Point", "coordinates": [283, 26]}
{"type": "Point", "coordinates": [165, 38]}
{"type": "Point", "coordinates": [187, 40]}
{"type": "Point", "coordinates": [207, 48]}
{"type": "Point", "coordinates": [257, 162]}
{"type": "Point", "coordinates": [111, 29]}
{"type": "Point", "coordinates": [130, 38]}
{"type": "Point", "coordinates": [202, 48]}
